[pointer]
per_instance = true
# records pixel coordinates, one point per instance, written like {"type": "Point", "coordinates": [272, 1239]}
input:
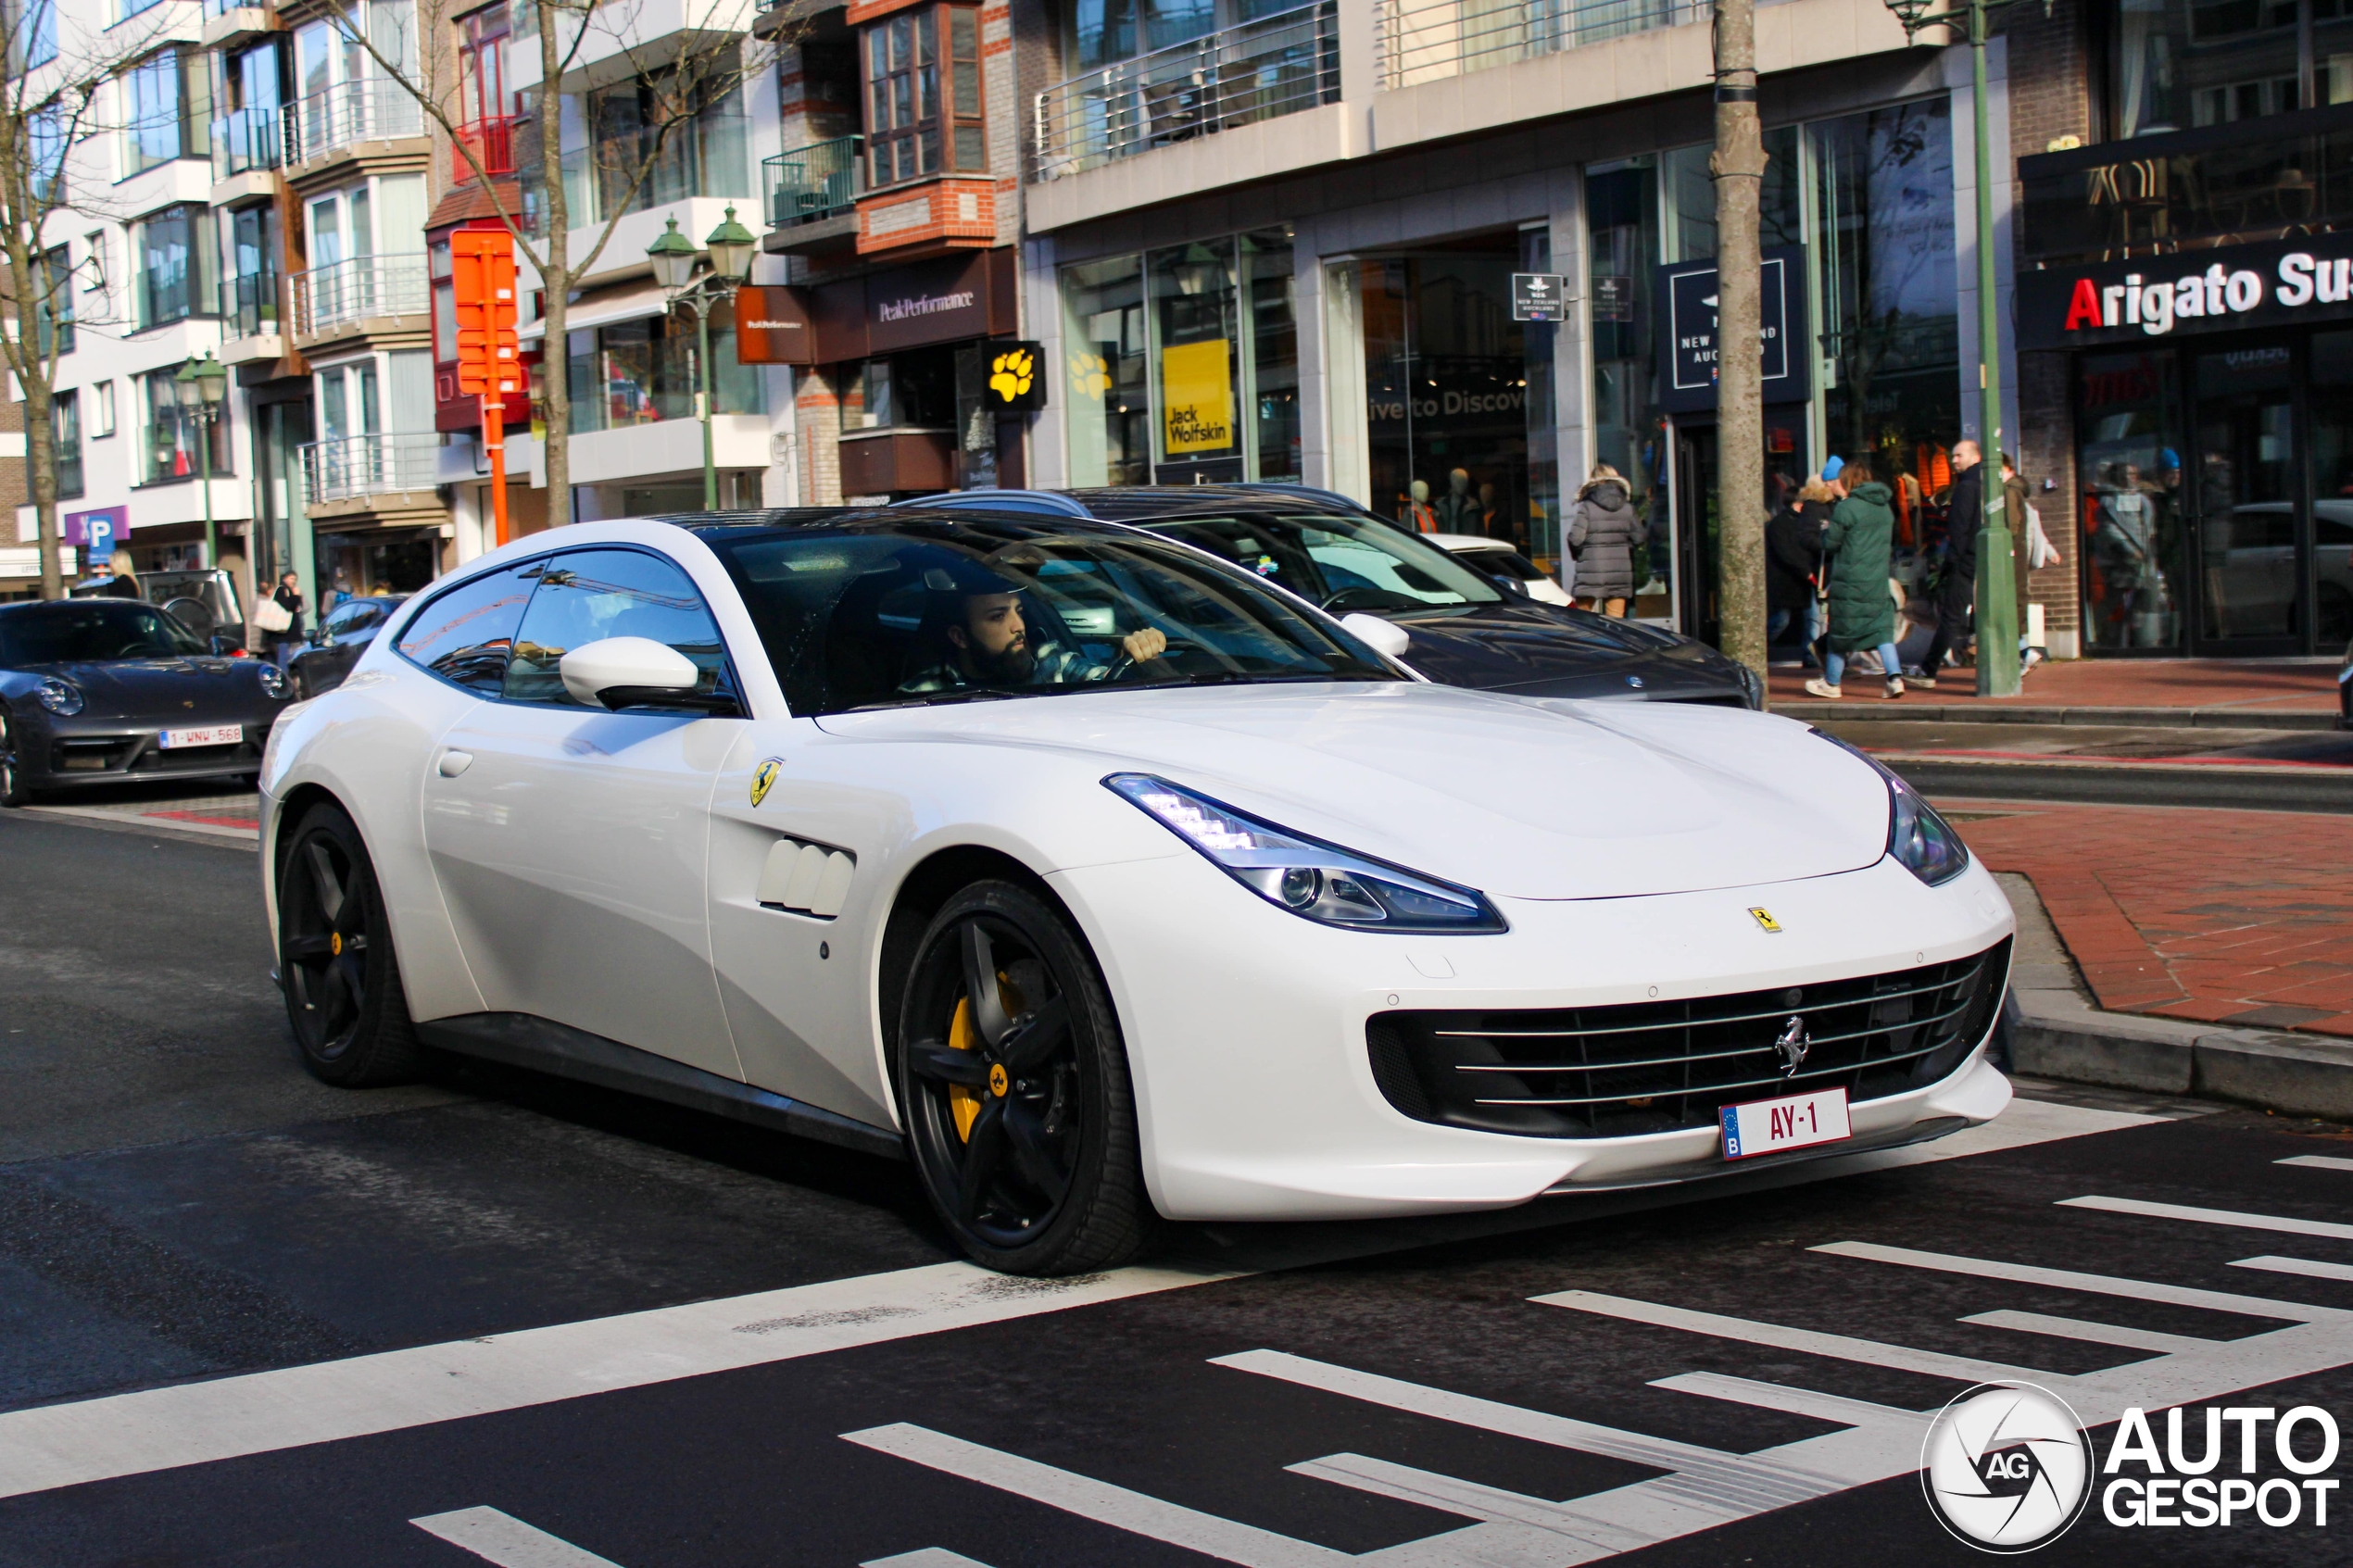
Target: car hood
{"type": "Point", "coordinates": [1533, 648]}
{"type": "Point", "coordinates": [135, 687]}
{"type": "Point", "coordinates": [1518, 797]}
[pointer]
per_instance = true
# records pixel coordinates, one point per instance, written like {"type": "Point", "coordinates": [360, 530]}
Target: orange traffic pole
{"type": "Point", "coordinates": [494, 441]}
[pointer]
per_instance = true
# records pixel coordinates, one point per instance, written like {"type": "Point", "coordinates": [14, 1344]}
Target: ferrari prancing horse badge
{"type": "Point", "coordinates": [762, 777]}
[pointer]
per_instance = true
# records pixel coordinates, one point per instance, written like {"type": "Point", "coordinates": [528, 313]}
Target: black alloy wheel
{"type": "Point", "coordinates": [14, 787]}
{"type": "Point", "coordinates": [1014, 1086]}
{"type": "Point", "coordinates": [335, 958]}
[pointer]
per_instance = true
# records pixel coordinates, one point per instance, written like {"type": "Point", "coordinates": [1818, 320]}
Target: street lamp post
{"type": "Point", "coordinates": [1997, 670]}
{"type": "Point", "coordinates": [674, 257]}
{"type": "Point", "coordinates": [208, 379]}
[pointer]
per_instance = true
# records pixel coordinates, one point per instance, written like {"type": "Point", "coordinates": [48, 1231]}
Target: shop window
{"type": "Point", "coordinates": [173, 249]}
{"type": "Point", "coordinates": [2130, 508]}
{"type": "Point", "coordinates": [53, 312]}
{"type": "Point", "coordinates": [641, 372]}
{"type": "Point", "coordinates": [1630, 434]}
{"type": "Point", "coordinates": [913, 128]}
{"type": "Point", "coordinates": [65, 426]}
{"type": "Point", "coordinates": [173, 431]}
{"type": "Point", "coordinates": [1109, 404]}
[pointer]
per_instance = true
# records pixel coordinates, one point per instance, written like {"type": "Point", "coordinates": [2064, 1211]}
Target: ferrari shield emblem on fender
{"type": "Point", "coordinates": [1763, 917]}
{"type": "Point", "coordinates": [764, 777]}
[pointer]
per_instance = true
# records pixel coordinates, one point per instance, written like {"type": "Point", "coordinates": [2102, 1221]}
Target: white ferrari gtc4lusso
{"type": "Point", "coordinates": [1104, 881]}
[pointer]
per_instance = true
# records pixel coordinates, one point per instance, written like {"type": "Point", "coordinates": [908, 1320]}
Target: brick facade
{"type": "Point", "coordinates": [2050, 100]}
{"type": "Point", "coordinates": [817, 409]}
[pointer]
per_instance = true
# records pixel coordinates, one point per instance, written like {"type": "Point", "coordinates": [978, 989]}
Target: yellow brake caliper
{"type": "Point", "coordinates": [964, 1036]}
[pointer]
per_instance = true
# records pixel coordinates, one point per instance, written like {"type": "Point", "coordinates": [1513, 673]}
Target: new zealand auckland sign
{"type": "Point", "coordinates": [2278, 284]}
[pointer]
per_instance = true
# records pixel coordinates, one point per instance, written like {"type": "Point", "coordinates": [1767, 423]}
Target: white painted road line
{"type": "Point", "coordinates": [2329, 1228]}
{"type": "Point", "coordinates": [1132, 1512]}
{"type": "Point", "coordinates": [2307, 1267]}
{"type": "Point", "coordinates": [2317, 1162]}
{"type": "Point", "coordinates": [930, 1557]}
{"type": "Point", "coordinates": [1792, 1401]}
{"type": "Point", "coordinates": [508, 1541]}
{"type": "Point", "coordinates": [2098, 1284]}
{"type": "Point", "coordinates": [231, 1417]}
{"type": "Point", "coordinates": [1491, 1505]}
{"type": "Point", "coordinates": [2091, 1333]}
{"type": "Point", "coordinates": [1806, 1341]}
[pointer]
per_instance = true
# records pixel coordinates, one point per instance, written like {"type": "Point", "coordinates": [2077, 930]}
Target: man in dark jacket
{"type": "Point", "coordinates": [1964, 516]}
{"type": "Point", "coordinates": [1793, 561]}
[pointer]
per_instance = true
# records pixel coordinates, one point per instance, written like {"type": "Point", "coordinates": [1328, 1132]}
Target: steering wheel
{"type": "Point", "coordinates": [1121, 664]}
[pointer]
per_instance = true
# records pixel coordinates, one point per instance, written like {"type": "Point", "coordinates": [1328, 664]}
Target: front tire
{"type": "Point", "coordinates": [342, 978]}
{"type": "Point", "coordinates": [1013, 1082]}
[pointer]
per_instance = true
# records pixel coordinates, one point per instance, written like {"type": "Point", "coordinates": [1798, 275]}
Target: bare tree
{"type": "Point", "coordinates": [58, 72]}
{"type": "Point", "coordinates": [680, 77]}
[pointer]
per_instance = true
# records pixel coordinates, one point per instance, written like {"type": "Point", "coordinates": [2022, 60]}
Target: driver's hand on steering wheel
{"type": "Point", "coordinates": [1150, 642]}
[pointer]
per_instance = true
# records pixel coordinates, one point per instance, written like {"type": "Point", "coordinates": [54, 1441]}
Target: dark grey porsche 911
{"type": "Point", "coordinates": [106, 691]}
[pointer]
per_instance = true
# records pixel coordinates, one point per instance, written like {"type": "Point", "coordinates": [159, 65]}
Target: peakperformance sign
{"type": "Point", "coordinates": [2279, 283]}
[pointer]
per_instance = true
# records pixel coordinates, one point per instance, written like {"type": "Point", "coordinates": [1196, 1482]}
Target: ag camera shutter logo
{"type": "Point", "coordinates": [2007, 1468]}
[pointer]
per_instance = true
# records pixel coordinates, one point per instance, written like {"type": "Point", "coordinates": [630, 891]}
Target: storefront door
{"type": "Point", "coordinates": [2246, 486]}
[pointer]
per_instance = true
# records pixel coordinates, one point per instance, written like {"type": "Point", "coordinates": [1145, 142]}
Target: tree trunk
{"type": "Point", "coordinates": [1738, 165]}
{"type": "Point", "coordinates": [555, 277]}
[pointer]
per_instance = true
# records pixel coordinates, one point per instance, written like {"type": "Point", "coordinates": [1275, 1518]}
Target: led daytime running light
{"type": "Point", "coordinates": [1923, 842]}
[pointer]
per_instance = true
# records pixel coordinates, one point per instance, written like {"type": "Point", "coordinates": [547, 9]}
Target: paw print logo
{"type": "Point", "coordinates": [1089, 375]}
{"type": "Point", "coordinates": [1009, 375]}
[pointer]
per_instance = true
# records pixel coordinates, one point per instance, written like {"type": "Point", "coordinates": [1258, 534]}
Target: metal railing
{"type": "Point", "coordinates": [250, 305]}
{"type": "Point", "coordinates": [708, 156]}
{"type": "Point", "coordinates": [343, 291]}
{"type": "Point", "coordinates": [492, 142]}
{"type": "Point", "coordinates": [369, 465]}
{"type": "Point", "coordinates": [247, 139]}
{"type": "Point", "coordinates": [815, 182]}
{"type": "Point", "coordinates": [1419, 41]}
{"type": "Point", "coordinates": [215, 9]}
{"type": "Point", "coordinates": [348, 113]}
{"type": "Point", "coordinates": [1261, 70]}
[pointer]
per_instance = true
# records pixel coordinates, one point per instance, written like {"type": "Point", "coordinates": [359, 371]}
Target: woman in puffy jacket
{"type": "Point", "coordinates": [1860, 541]}
{"type": "Point", "coordinates": [1606, 536]}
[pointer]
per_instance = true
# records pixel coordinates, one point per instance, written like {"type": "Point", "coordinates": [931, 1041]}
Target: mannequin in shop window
{"type": "Point", "coordinates": [1458, 509]}
{"type": "Point", "coordinates": [1418, 515]}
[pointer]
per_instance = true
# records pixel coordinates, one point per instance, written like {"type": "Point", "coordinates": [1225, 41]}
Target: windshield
{"type": "Point", "coordinates": [92, 631]}
{"type": "Point", "coordinates": [1342, 563]}
{"type": "Point", "coordinates": [884, 614]}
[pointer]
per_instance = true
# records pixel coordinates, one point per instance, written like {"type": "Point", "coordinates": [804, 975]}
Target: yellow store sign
{"type": "Point", "coordinates": [1197, 391]}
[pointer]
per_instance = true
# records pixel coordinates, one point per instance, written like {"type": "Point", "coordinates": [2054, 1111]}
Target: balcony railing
{"type": "Point", "coordinates": [709, 156]}
{"type": "Point", "coordinates": [215, 9]}
{"type": "Point", "coordinates": [250, 305]}
{"type": "Point", "coordinates": [244, 139]}
{"type": "Point", "coordinates": [2185, 190]}
{"type": "Point", "coordinates": [369, 465]}
{"type": "Point", "coordinates": [1261, 70]}
{"type": "Point", "coordinates": [1419, 41]}
{"type": "Point", "coordinates": [819, 180]}
{"type": "Point", "coordinates": [349, 113]}
{"type": "Point", "coordinates": [365, 286]}
{"type": "Point", "coordinates": [492, 142]}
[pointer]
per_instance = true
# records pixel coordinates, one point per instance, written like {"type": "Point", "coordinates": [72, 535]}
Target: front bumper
{"type": "Point", "coordinates": [96, 749]}
{"type": "Point", "coordinates": [1245, 1028]}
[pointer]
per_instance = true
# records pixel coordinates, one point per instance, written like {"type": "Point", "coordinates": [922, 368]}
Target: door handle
{"type": "Point", "coordinates": [455, 762]}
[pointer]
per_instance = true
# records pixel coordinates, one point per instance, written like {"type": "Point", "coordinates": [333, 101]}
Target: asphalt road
{"type": "Point", "coordinates": [248, 1320]}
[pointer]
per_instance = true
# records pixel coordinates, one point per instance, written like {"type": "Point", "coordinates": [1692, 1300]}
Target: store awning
{"type": "Point", "coordinates": [601, 308]}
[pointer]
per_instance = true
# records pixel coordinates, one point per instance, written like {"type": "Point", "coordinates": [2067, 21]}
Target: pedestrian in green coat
{"type": "Point", "coordinates": [1860, 542]}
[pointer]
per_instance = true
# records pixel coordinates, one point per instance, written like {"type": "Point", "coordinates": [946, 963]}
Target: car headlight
{"type": "Point", "coordinates": [273, 680]}
{"type": "Point", "coordinates": [59, 696]}
{"type": "Point", "coordinates": [1314, 880]}
{"type": "Point", "coordinates": [1923, 842]}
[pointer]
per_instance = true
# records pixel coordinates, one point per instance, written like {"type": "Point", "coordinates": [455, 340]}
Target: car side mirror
{"type": "Point", "coordinates": [227, 644]}
{"type": "Point", "coordinates": [618, 673]}
{"type": "Point", "coordinates": [1384, 637]}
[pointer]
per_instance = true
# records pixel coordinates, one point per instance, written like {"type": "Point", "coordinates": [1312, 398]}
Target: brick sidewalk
{"type": "Point", "coordinates": [2263, 685]}
{"type": "Point", "coordinates": [2223, 917]}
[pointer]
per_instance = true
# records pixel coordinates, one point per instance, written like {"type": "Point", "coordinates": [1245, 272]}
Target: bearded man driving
{"type": "Point", "coordinates": [988, 641]}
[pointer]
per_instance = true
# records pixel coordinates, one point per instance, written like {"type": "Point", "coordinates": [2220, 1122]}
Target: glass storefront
{"type": "Point", "coordinates": [1183, 363]}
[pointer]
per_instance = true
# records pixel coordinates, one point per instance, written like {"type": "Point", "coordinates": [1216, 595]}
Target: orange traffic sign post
{"type": "Point", "coordinates": [483, 275]}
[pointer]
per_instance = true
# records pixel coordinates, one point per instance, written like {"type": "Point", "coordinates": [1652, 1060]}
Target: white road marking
{"type": "Point", "coordinates": [930, 1557]}
{"type": "Point", "coordinates": [1781, 1397]}
{"type": "Point", "coordinates": [1132, 1512]}
{"type": "Point", "coordinates": [2305, 1266]}
{"type": "Point", "coordinates": [1806, 1341]}
{"type": "Point", "coordinates": [508, 1541]}
{"type": "Point", "coordinates": [231, 1417]}
{"type": "Point", "coordinates": [2096, 1285]}
{"type": "Point", "coordinates": [2213, 1216]}
{"type": "Point", "coordinates": [2318, 1162]}
{"type": "Point", "coordinates": [2091, 1333]}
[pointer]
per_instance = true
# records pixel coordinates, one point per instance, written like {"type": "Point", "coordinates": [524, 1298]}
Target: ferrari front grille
{"type": "Point", "coordinates": [1655, 1067]}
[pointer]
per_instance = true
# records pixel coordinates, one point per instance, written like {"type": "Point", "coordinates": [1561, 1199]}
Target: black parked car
{"type": "Point", "coordinates": [105, 691]}
{"type": "Point", "coordinates": [336, 643]}
{"type": "Point", "coordinates": [1467, 628]}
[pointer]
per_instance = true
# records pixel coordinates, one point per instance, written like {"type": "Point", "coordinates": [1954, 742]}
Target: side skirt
{"type": "Point", "coordinates": [521, 1040]}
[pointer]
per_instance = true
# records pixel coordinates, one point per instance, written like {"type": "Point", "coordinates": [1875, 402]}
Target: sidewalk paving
{"type": "Point", "coordinates": [2241, 688]}
{"type": "Point", "coordinates": [2240, 918]}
